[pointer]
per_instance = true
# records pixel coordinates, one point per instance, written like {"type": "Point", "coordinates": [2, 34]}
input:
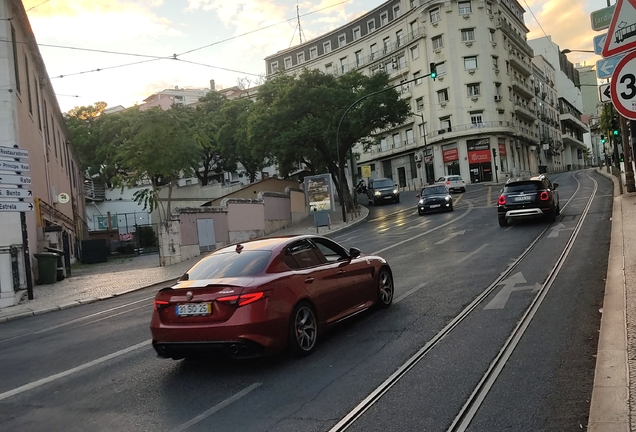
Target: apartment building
{"type": "Point", "coordinates": [569, 102]}
{"type": "Point", "coordinates": [477, 119]}
{"type": "Point", "coordinates": [551, 143]}
{"type": "Point", "coordinates": [40, 177]}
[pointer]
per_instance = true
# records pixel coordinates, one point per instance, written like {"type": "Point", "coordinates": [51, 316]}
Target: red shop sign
{"type": "Point", "coordinates": [450, 155]}
{"type": "Point", "coordinates": [502, 149]}
{"type": "Point", "coordinates": [478, 156]}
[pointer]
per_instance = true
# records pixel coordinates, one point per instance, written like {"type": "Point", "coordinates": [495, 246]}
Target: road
{"type": "Point", "coordinates": [491, 329]}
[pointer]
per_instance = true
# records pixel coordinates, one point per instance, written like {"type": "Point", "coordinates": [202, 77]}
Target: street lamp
{"type": "Point", "coordinates": [425, 145]}
{"type": "Point", "coordinates": [568, 51]}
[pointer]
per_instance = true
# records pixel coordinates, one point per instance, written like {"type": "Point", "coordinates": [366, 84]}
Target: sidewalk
{"type": "Point", "coordinates": [118, 277]}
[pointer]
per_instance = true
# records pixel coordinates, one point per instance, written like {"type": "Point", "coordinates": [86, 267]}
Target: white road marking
{"type": "Point", "coordinates": [472, 253]}
{"type": "Point", "coordinates": [558, 228]}
{"type": "Point", "coordinates": [450, 237]}
{"type": "Point", "coordinates": [500, 300]}
{"type": "Point", "coordinates": [216, 408]}
{"type": "Point", "coordinates": [79, 368]}
{"type": "Point", "coordinates": [409, 292]}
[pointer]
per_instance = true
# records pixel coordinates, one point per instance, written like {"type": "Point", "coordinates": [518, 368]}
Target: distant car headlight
{"type": "Point", "coordinates": [421, 202]}
{"type": "Point", "coordinates": [377, 193]}
{"type": "Point", "coordinates": [395, 191]}
{"type": "Point", "coordinates": [447, 198]}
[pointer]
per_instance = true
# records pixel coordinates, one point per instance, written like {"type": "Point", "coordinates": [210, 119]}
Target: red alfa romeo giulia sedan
{"type": "Point", "coordinates": [263, 296]}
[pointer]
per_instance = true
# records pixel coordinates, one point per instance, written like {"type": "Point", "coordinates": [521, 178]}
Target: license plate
{"type": "Point", "coordinates": [523, 198]}
{"type": "Point", "coordinates": [192, 309]}
{"type": "Point", "coordinates": [436, 205]}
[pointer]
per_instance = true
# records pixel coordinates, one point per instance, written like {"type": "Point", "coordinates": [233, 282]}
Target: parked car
{"type": "Point", "coordinates": [534, 197]}
{"type": "Point", "coordinates": [434, 198]}
{"type": "Point", "coordinates": [453, 183]}
{"type": "Point", "coordinates": [263, 296]}
{"type": "Point", "coordinates": [381, 190]}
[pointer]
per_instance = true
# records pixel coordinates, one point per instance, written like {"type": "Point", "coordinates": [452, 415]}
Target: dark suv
{"type": "Point", "coordinates": [534, 197]}
{"type": "Point", "coordinates": [381, 190]}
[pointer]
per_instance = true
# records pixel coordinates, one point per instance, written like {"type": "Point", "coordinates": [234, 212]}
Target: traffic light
{"type": "Point", "coordinates": [433, 71]}
{"type": "Point", "coordinates": [616, 129]}
{"type": "Point", "coordinates": [603, 139]}
{"type": "Point", "coordinates": [494, 153]}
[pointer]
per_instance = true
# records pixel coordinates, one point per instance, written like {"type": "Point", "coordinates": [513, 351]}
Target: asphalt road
{"type": "Point", "coordinates": [492, 329]}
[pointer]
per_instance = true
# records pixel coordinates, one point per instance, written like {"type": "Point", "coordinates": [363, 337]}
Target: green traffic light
{"type": "Point", "coordinates": [615, 132]}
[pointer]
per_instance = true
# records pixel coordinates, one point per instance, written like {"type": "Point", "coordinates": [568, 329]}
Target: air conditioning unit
{"type": "Point", "coordinates": [497, 98]}
{"type": "Point", "coordinates": [418, 157]}
{"type": "Point", "coordinates": [441, 131]}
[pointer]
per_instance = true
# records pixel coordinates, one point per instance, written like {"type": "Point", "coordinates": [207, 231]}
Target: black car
{"type": "Point", "coordinates": [534, 197]}
{"type": "Point", "coordinates": [382, 190]}
{"type": "Point", "coordinates": [434, 197]}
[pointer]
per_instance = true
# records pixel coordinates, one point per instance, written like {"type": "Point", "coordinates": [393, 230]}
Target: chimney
{"type": "Point", "coordinates": [212, 85]}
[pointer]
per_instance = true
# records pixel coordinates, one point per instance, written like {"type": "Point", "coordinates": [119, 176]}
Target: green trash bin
{"type": "Point", "coordinates": [47, 267]}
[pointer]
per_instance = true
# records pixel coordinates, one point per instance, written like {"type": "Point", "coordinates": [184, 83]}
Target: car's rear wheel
{"type": "Point", "coordinates": [451, 208]}
{"type": "Point", "coordinates": [385, 288]}
{"type": "Point", "coordinates": [397, 200]}
{"type": "Point", "coordinates": [303, 330]}
{"type": "Point", "coordinates": [463, 189]}
{"type": "Point", "coordinates": [502, 221]}
{"type": "Point", "coordinates": [558, 209]}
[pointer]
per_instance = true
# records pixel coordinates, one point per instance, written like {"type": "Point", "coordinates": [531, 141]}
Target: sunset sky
{"type": "Point", "coordinates": [215, 39]}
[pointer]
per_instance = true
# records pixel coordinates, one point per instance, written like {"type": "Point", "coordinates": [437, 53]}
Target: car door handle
{"type": "Point", "coordinates": [309, 280]}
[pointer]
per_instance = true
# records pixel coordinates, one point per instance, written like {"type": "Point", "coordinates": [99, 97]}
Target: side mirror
{"type": "Point", "coordinates": [555, 185]}
{"type": "Point", "coordinates": [354, 252]}
{"type": "Point", "coordinates": [417, 196]}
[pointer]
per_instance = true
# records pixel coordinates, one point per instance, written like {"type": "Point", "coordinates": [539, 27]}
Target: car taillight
{"type": "Point", "coordinates": [160, 304]}
{"type": "Point", "coordinates": [544, 196]}
{"type": "Point", "coordinates": [448, 182]}
{"type": "Point", "coordinates": [243, 299]}
{"type": "Point", "coordinates": [501, 200]}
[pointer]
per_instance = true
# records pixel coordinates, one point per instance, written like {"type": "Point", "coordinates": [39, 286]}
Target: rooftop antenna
{"type": "Point", "coordinates": [300, 29]}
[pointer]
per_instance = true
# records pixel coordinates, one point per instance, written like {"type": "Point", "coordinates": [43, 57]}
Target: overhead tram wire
{"type": "Point", "coordinates": [108, 67]}
{"type": "Point", "coordinates": [216, 67]}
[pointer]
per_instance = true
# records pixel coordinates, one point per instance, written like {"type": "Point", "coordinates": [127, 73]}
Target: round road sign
{"type": "Point", "coordinates": [623, 86]}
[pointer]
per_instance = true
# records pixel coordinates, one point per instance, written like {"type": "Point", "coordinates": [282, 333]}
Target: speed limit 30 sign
{"type": "Point", "coordinates": [623, 86]}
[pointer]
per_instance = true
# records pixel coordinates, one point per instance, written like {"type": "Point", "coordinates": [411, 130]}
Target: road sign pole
{"type": "Point", "coordinates": [627, 150]}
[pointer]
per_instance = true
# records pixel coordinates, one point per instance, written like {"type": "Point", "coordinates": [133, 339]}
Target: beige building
{"type": "Point", "coordinates": [47, 186]}
{"type": "Point", "coordinates": [551, 143]}
{"type": "Point", "coordinates": [477, 119]}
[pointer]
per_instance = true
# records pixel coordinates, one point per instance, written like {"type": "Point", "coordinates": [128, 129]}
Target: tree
{"type": "Point", "coordinates": [81, 124]}
{"type": "Point", "coordinates": [301, 116]}
{"type": "Point", "coordinates": [158, 149]}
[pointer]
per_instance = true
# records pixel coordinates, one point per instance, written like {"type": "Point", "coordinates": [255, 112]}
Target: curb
{"type": "Point", "coordinates": [609, 406]}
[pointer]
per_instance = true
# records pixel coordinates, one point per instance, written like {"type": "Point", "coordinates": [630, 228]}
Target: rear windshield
{"type": "Point", "coordinates": [434, 191]}
{"type": "Point", "coordinates": [382, 183]}
{"type": "Point", "coordinates": [529, 186]}
{"type": "Point", "coordinates": [229, 264]}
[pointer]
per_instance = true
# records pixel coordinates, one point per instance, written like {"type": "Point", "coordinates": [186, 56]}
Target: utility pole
{"type": "Point", "coordinates": [628, 146]}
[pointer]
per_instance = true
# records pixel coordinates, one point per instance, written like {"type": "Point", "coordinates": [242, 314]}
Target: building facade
{"type": "Point", "coordinates": [50, 183]}
{"type": "Point", "coordinates": [551, 143]}
{"type": "Point", "coordinates": [477, 119]}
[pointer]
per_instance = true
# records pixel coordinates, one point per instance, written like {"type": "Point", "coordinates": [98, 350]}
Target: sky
{"type": "Point", "coordinates": [122, 51]}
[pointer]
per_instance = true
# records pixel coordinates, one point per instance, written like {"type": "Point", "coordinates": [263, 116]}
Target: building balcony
{"type": "Point", "coordinates": [519, 62]}
{"type": "Point", "coordinates": [523, 88]}
{"type": "Point", "coordinates": [572, 140]}
{"type": "Point", "coordinates": [527, 134]}
{"type": "Point", "coordinates": [525, 113]}
{"type": "Point", "coordinates": [518, 39]}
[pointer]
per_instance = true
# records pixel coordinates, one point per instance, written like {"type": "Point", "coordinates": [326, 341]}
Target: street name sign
{"type": "Point", "coordinates": [13, 152]}
{"type": "Point", "coordinates": [599, 42]}
{"type": "Point", "coordinates": [17, 206]}
{"type": "Point", "coordinates": [15, 193]}
{"type": "Point", "coordinates": [602, 17]}
{"type": "Point", "coordinates": [14, 166]}
{"type": "Point", "coordinates": [605, 67]}
{"type": "Point", "coordinates": [605, 93]}
{"type": "Point", "coordinates": [14, 179]}
{"type": "Point", "coordinates": [623, 87]}
{"type": "Point", "coordinates": [621, 35]}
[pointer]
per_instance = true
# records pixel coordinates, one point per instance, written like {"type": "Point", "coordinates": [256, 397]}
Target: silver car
{"type": "Point", "coordinates": [453, 183]}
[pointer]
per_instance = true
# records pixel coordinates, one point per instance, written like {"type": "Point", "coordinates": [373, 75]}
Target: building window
{"type": "Point", "coordinates": [28, 82]}
{"type": "Point", "coordinates": [401, 61]}
{"type": "Point", "coordinates": [419, 104]}
{"type": "Point", "coordinates": [492, 35]}
{"type": "Point", "coordinates": [371, 25]}
{"type": "Point", "coordinates": [489, 8]}
{"type": "Point", "coordinates": [495, 62]}
{"type": "Point", "coordinates": [326, 46]}
{"type": "Point", "coordinates": [422, 129]}
{"type": "Point", "coordinates": [313, 53]}
{"type": "Point", "coordinates": [16, 68]}
{"type": "Point", "coordinates": [384, 19]}
{"type": "Point", "coordinates": [356, 33]}
{"type": "Point", "coordinates": [399, 36]}
{"type": "Point", "coordinates": [445, 123]}
{"type": "Point", "coordinates": [438, 42]}
{"type": "Point", "coordinates": [409, 136]}
{"type": "Point", "coordinates": [273, 67]}
{"type": "Point", "coordinates": [300, 57]}
{"type": "Point", "coordinates": [468, 35]}
{"type": "Point", "coordinates": [415, 29]}
{"type": "Point", "coordinates": [397, 140]}
{"type": "Point", "coordinates": [359, 58]}
{"type": "Point", "coordinates": [473, 89]}
{"type": "Point", "coordinates": [342, 40]}
{"type": "Point", "coordinates": [343, 65]}
{"type": "Point", "coordinates": [329, 68]}
{"type": "Point", "coordinates": [441, 68]}
{"type": "Point", "coordinates": [442, 96]}
{"type": "Point", "coordinates": [464, 7]}
{"type": "Point", "coordinates": [417, 76]}
{"type": "Point", "coordinates": [470, 63]}
{"type": "Point", "coordinates": [383, 144]}
{"type": "Point", "coordinates": [435, 15]}
{"type": "Point", "coordinates": [476, 118]}
{"type": "Point", "coordinates": [396, 11]}
{"type": "Point", "coordinates": [374, 51]}
{"type": "Point", "coordinates": [288, 63]}
{"type": "Point", "coordinates": [412, 4]}
{"type": "Point", "coordinates": [415, 52]}
{"type": "Point", "coordinates": [386, 44]}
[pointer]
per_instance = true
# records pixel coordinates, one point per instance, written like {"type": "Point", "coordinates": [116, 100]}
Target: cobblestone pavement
{"type": "Point", "coordinates": [120, 276]}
